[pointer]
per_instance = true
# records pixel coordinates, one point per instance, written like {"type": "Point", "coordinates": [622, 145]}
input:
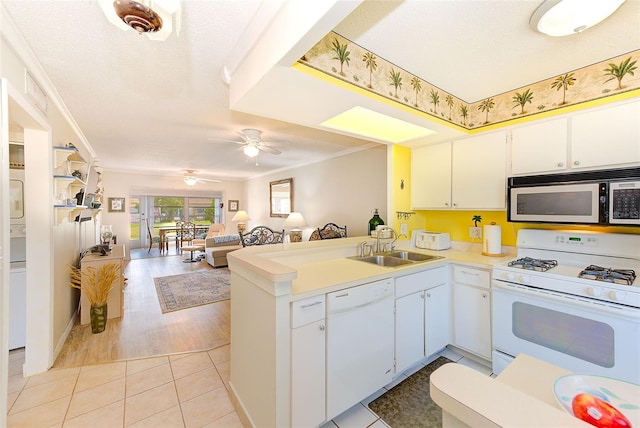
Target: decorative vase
{"type": "Point", "coordinates": [98, 315]}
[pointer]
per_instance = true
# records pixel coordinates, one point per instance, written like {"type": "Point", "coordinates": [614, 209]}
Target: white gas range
{"type": "Point", "coordinates": [572, 299]}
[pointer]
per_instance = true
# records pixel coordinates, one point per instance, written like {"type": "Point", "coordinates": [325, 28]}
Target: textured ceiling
{"type": "Point", "coordinates": [153, 106]}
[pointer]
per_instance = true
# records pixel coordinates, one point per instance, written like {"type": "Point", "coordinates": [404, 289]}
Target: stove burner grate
{"type": "Point", "coordinates": [616, 276]}
{"type": "Point", "coordinates": [530, 263]}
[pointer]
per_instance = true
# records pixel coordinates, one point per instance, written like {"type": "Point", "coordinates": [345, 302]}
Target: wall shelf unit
{"type": "Point", "coordinates": [67, 160]}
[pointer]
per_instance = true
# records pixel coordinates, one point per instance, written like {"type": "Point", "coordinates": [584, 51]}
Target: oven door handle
{"type": "Point", "coordinates": [592, 305]}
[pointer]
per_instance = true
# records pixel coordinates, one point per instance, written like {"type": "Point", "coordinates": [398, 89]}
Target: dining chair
{"type": "Point", "coordinates": [186, 233]}
{"type": "Point", "coordinates": [262, 235]}
{"type": "Point", "coordinates": [187, 239]}
{"type": "Point", "coordinates": [155, 239]}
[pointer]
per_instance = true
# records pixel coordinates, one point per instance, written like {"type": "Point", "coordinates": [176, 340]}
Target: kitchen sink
{"type": "Point", "coordinates": [396, 258]}
{"type": "Point", "coordinates": [416, 257]}
{"type": "Point", "coordinates": [383, 260]}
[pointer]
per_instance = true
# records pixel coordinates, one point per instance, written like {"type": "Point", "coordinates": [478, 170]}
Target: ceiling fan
{"type": "Point", "coordinates": [191, 179]}
{"type": "Point", "coordinates": [252, 145]}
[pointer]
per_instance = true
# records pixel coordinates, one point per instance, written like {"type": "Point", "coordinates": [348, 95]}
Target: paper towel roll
{"type": "Point", "coordinates": [492, 245]}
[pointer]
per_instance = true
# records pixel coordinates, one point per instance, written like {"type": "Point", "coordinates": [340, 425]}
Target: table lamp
{"type": "Point", "coordinates": [295, 220]}
{"type": "Point", "coordinates": [241, 217]}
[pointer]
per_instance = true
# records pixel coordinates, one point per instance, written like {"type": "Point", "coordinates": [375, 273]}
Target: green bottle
{"type": "Point", "coordinates": [375, 221]}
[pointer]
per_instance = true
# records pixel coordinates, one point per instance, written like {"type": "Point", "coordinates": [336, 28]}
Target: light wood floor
{"type": "Point", "coordinates": [144, 330]}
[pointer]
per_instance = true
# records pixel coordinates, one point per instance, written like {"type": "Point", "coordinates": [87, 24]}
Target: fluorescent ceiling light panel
{"type": "Point", "coordinates": [368, 123]}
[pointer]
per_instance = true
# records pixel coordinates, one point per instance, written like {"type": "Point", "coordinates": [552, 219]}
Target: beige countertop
{"type": "Point", "coordinates": [322, 266]}
{"type": "Point", "coordinates": [521, 396]}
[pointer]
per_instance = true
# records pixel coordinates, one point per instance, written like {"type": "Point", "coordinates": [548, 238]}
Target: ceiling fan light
{"type": "Point", "coordinates": [190, 180]}
{"type": "Point", "coordinates": [251, 151]}
{"type": "Point", "coordinates": [559, 18]}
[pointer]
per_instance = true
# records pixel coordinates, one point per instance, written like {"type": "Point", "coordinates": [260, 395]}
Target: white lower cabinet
{"type": "Point", "coordinates": [437, 319]}
{"type": "Point", "coordinates": [308, 362]}
{"type": "Point", "coordinates": [421, 316]}
{"type": "Point", "coordinates": [472, 310]}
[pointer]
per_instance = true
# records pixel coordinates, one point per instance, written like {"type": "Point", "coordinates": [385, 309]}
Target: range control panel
{"type": "Point", "coordinates": [577, 240]}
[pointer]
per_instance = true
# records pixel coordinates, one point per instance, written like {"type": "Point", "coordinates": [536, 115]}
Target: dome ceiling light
{"type": "Point", "coordinates": [136, 15]}
{"type": "Point", "coordinates": [559, 18]}
{"type": "Point", "coordinates": [154, 18]}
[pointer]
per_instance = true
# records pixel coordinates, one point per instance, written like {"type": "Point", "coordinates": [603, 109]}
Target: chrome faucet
{"type": "Point", "coordinates": [396, 238]}
{"type": "Point", "coordinates": [364, 249]}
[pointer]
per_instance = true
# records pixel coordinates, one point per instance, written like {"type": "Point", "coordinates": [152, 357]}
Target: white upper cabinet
{"type": "Point", "coordinates": [540, 147]}
{"type": "Point", "coordinates": [431, 176]}
{"type": "Point", "coordinates": [606, 137]}
{"type": "Point", "coordinates": [464, 174]}
{"type": "Point", "coordinates": [603, 138]}
{"type": "Point", "coordinates": [480, 172]}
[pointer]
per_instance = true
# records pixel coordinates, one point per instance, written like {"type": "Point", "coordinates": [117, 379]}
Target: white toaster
{"type": "Point", "coordinates": [433, 240]}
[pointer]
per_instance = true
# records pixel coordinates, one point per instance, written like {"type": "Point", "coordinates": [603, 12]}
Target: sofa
{"type": "Point", "coordinates": [216, 248]}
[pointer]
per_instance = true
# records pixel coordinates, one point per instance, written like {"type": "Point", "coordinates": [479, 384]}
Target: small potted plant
{"type": "Point", "coordinates": [96, 283]}
{"type": "Point", "coordinates": [475, 231]}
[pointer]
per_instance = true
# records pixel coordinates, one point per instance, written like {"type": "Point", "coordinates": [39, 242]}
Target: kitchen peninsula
{"type": "Point", "coordinates": [282, 331]}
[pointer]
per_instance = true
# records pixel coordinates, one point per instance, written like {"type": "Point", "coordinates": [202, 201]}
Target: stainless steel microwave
{"type": "Point", "coordinates": [604, 197]}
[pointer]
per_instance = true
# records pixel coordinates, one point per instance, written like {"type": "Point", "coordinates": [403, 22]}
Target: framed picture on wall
{"type": "Point", "coordinates": [116, 205]}
{"type": "Point", "coordinates": [233, 205]}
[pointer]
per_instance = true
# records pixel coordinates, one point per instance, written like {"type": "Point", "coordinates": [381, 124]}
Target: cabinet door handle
{"type": "Point", "coordinates": [576, 163]}
{"type": "Point", "coordinates": [484, 295]}
{"type": "Point", "coordinates": [560, 164]}
{"type": "Point", "coordinates": [428, 294]}
{"type": "Point", "coordinates": [470, 273]}
{"type": "Point", "coordinates": [321, 327]}
{"type": "Point", "coordinates": [455, 205]}
{"type": "Point", "coordinates": [310, 305]}
{"type": "Point", "coordinates": [446, 204]}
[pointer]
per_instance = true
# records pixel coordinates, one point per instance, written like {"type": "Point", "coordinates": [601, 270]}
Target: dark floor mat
{"type": "Point", "coordinates": [408, 404]}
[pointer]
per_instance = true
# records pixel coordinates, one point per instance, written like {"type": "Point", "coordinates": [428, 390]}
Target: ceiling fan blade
{"type": "Point", "coordinates": [218, 140]}
{"type": "Point", "coordinates": [211, 180]}
{"type": "Point", "coordinates": [269, 149]}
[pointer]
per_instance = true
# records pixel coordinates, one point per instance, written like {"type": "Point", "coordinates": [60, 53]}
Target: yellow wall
{"type": "Point", "coordinates": [456, 222]}
{"type": "Point", "coordinates": [401, 170]}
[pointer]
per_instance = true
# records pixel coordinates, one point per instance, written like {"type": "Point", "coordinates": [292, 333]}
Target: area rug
{"type": "Point", "coordinates": [408, 404]}
{"type": "Point", "coordinates": [187, 290]}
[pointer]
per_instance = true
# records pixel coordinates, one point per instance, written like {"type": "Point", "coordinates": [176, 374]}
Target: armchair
{"type": "Point", "coordinates": [215, 229]}
{"type": "Point", "coordinates": [329, 231]}
{"type": "Point", "coordinates": [262, 235]}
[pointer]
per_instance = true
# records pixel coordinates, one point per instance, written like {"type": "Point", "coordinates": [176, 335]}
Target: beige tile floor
{"type": "Point", "coordinates": [184, 390]}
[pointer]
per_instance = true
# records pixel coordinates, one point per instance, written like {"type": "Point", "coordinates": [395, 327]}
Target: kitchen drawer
{"type": "Point", "coordinates": [419, 281]}
{"type": "Point", "coordinates": [471, 276]}
{"type": "Point", "coordinates": [307, 311]}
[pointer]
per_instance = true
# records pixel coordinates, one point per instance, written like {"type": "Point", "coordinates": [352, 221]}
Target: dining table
{"type": "Point", "coordinates": [163, 230]}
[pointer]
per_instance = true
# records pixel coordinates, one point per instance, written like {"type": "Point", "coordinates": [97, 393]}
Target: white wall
{"type": "Point", "coordinates": [342, 190]}
{"type": "Point", "coordinates": [51, 302]}
{"type": "Point", "coordinates": [119, 184]}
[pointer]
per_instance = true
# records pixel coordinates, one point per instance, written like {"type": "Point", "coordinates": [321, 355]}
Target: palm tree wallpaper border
{"type": "Point", "coordinates": [339, 57]}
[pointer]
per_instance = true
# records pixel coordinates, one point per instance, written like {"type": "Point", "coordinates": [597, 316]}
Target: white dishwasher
{"type": "Point", "coordinates": [359, 343]}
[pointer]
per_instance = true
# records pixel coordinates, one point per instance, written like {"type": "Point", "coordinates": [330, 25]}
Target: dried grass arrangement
{"type": "Point", "coordinates": [96, 283]}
